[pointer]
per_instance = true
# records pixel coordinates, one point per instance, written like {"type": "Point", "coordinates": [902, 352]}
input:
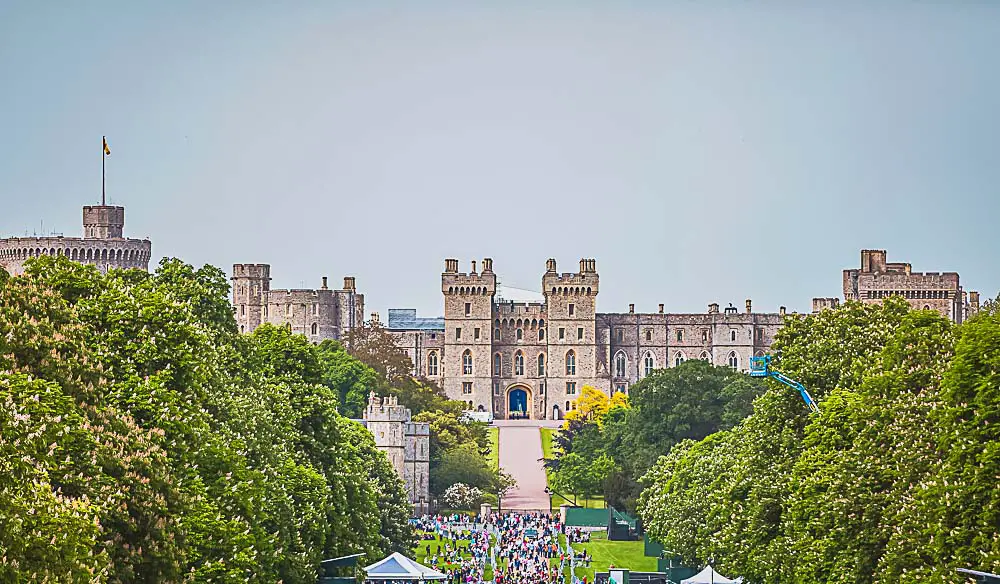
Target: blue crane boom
{"type": "Point", "coordinates": [761, 367]}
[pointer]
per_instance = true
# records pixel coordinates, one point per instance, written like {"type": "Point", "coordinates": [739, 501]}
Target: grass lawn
{"type": "Point", "coordinates": [494, 436]}
{"type": "Point", "coordinates": [556, 500]}
{"type": "Point", "coordinates": [623, 554]}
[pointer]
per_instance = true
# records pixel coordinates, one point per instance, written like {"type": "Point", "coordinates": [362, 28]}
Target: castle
{"type": "Point", "coordinates": [317, 314]}
{"type": "Point", "coordinates": [405, 443]}
{"type": "Point", "coordinates": [878, 279]}
{"type": "Point", "coordinates": [103, 244]}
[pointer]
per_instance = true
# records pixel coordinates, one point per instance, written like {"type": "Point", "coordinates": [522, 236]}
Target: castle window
{"type": "Point", "coordinates": [288, 310]}
{"type": "Point", "coordinates": [704, 336]}
{"type": "Point", "coordinates": [570, 363]}
{"type": "Point", "coordinates": [541, 334]}
{"type": "Point", "coordinates": [648, 364]}
{"type": "Point", "coordinates": [467, 362]}
{"type": "Point", "coordinates": [497, 364]}
{"type": "Point", "coordinates": [433, 335]}
{"type": "Point", "coordinates": [541, 388]}
{"type": "Point", "coordinates": [518, 363]}
{"type": "Point", "coordinates": [265, 311]}
{"type": "Point", "coordinates": [243, 329]}
{"type": "Point", "coordinates": [316, 309]}
{"type": "Point", "coordinates": [649, 335]}
{"type": "Point", "coordinates": [475, 333]}
{"type": "Point", "coordinates": [621, 364]}
{"type": "Point", "coordinates": [927, 306]}
{"type": "Point", "coordinates": [621, 336]}
{"type": "Point", "coordinates": [562, 333]}
{"type": "Point", "coordinates": [567, 405]}
{"type": "Point", "coordinates": [496, 334]}
{"type": "Point", "coordinates": [680, 335]}
{"type": "Point", "coordinates": [315, 328]}
{"type": "Point", "coordinates": [572, 308]}
{"type": "Point", "coordinates": [571, 388]}
{"type": "Point", "coordinates": [678, 359]}
{"type": "Point", "coordinates": [458, 334]}
{"type": "Point", "coordinates": [734, 360]}
{"type": "Point", "coordinates": [496, 388]}
{"type": "Point", "coordinates": [579, 332]}
{"type": "Point", "coordinates": [243, 309]}
{"type": "Point", "coordinates": [541, 365]}
{"type": "Point", "coordinates": [432, 363]}
{"type": "Point", "coordinates": [760, 335]}
{"type": "Point", "coordinates": [468, 308]}
{"type": "Point", "coordinates": [704, 356]}
{"type": "Point", "coordinates": [519, 334]}
{"type": "Point", "coordinates": [620, 388]}
{"type": "Point", "coordinates": [732, 335]}
{"type": "Point", "coordinates": [467, 389]}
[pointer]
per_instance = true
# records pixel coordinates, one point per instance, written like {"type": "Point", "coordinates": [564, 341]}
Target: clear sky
{"type": "Point", "coordinates": [701, 151]}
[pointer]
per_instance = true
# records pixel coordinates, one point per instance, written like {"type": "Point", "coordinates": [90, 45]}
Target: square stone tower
{"type": "Point", "coordinates": [571, 303]}
{"type": "Point", "coordinates": [468, 325]}
{"type": "Point", "coordinates": [251, 284]}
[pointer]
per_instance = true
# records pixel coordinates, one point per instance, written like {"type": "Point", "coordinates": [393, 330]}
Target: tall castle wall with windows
{"type": "Point", "coordinates": [406, 443]}
{"type": "Point", "coordinates": [496, 354]}
{"type": "Point", "coordinates": [318, 314]}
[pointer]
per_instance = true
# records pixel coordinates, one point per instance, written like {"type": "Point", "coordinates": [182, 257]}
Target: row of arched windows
{"type": "Point", "coordinates": [566, 291]}
{"type": "Point", "coordinates": [76, 254]}
{"type": "Point", "coordinates": [520, 323]}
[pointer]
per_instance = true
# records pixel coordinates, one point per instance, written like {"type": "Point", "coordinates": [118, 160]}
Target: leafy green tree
{"type": "Point", "coordinates": [464, 464]}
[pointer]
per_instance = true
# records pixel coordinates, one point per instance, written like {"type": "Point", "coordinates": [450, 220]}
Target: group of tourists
{"type": "Point", "coordinates": [512, 547]}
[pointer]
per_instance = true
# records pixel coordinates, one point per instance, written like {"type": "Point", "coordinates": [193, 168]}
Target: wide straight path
{"type": "Point", "coordinates": [521, 456]}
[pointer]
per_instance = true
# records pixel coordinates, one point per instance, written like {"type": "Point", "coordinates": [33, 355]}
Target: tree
{"type": "Point", "coordinates": [464, 464]}
{"type": "Point", "coordinates": [373, 344]}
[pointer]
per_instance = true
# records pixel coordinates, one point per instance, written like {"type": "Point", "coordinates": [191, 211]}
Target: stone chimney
{"type": "Point", "coordinates": [473, 272]}
{"type": "Point", "coordinates": [348, 283]}
{"type": "Point", "coordinates": [973, 302]}
{"type": "Point", "coordinates": [487, 265]}
{"type": "Point", "coordinates": [631, 308]}
{"type": "Point", "coordinates": [324, 287]}
{"type": "Point", "coordinates": [451, 266]}
{"type": "Point", "coordinates": [550, 265]}
{"type": "Point", "coordinates": [781, 311]}
{"type": "Point", "coordinates": [713, 308]}
{"type": "Point", "coordinates": [749, 306]}
{"type": "Point", "coordinates": [661, 308]}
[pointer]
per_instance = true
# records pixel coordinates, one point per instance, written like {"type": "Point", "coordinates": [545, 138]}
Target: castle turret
{"type": "Point", "coordinates": [571, 302]}
{"type": "Point", "coordinates": [251, 285]}
{"type": "Point", "coordinates": [103, 222]}
{"type": "Point", "coordinates": [468, 319]}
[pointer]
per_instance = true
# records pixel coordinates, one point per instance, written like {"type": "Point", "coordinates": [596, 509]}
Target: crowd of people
{"type": "Point", "coordinates": [511, 547]}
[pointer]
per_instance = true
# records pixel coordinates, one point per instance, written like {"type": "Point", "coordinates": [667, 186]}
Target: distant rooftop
{"type": "Point", "coordinates": [407, 319]}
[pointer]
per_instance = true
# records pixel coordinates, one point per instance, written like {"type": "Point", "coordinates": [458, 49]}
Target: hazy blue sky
{"type": "Point", "coordinates": [708, 151]}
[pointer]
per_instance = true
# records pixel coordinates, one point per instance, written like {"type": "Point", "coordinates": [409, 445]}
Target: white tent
{"type": "Point", "coordinates": [399, 567]}
{"type": "Point", "coordinates": [709, 576]}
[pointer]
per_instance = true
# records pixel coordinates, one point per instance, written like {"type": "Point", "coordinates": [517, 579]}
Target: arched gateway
{"type": "Point", "coordinates": [518, 402]}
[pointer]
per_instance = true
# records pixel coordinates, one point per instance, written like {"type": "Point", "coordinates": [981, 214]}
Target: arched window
{"type": "Point", "coordinates": [678, 358]}
{"type": "Point", "coordinates": [648, 364]}
{"type": "Point", "coordinates": [518, 363]}
{"type": "Point", "coordinates": [315, 328]}
{"type": "Point", "coordinates": [621, 364]}
{"type": "Point", "coordinates": [927, 306]}
{"type": "Point", "coordinates": [734, 360]}
{"type": "Point", "coordinates": [541, 365]}
{"type": "Point", "coordinates": [541, 334]}
{"type": "Point", "coordinates": [704, 356]}
{"type": "Point", "coordinates": [570, 362]}
{"type": "Point", "coordinates": [496, 334]}
{"type": "Point", "coordinates": [519, 334]}
{"type": "Point", "coordinates": [467, 362]}
{"type": "Point", "coordinates": [497, 364]}
{"type": "Point", "coordinates": [732, 335]}
{"type": "Point", "coordinates": [432, 363]}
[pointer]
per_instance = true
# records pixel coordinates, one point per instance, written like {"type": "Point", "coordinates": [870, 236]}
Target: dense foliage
{"type": "Point", "coordinates": [894, 480]}
{"type": "Point", "coordinates": [142, 439]}
{"type": "Point", "coordinates": [607, 444]}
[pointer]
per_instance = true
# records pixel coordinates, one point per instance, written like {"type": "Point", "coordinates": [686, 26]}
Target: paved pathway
{"type": "Point", "coordinates": [520, 455]}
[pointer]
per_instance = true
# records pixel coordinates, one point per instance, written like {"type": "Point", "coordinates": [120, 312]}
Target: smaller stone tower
{"type": "Point", "coordinates": [251, 284]}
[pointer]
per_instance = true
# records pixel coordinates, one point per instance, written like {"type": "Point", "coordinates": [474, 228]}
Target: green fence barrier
{"type": "Point", "coordinates": [580, 517]}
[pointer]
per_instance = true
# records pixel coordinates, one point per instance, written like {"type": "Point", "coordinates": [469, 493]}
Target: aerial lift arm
{"type": "Point", "coordinates": [761, 367]}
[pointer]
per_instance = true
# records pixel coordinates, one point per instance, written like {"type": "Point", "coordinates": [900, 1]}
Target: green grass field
{"type": "Point", "coordinates": [556, 500]}
{"type": "Point", "coordinates": [494, 435]}
{"type": "Point", "coordinates": [622, 554]}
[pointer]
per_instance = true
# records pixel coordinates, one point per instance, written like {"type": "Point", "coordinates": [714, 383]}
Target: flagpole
{"type": "Point", "coordinates": [104, 140]}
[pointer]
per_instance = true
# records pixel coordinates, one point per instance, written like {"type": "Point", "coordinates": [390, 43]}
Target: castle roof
{"type": "Point", "coordinates": [407, 319]}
